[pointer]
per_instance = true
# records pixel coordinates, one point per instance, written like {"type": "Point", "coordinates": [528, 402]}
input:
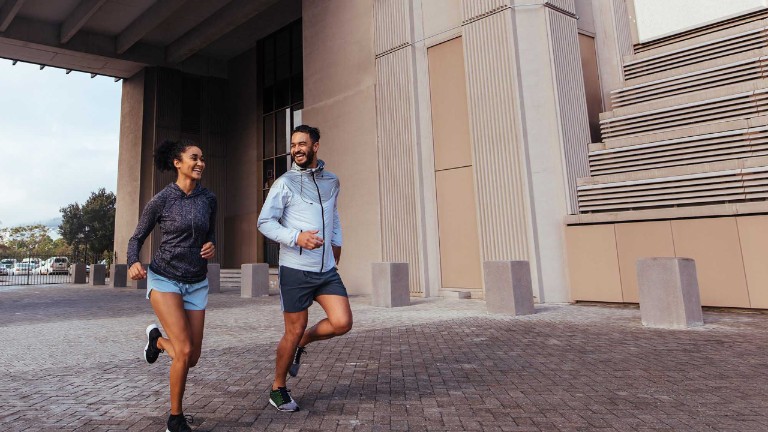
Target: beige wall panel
{"type": "Point", "coordinates": [586, 20]}
{"type": "Point", "coordinates": [396, 155]}
{"type": "Point", "coordinates": [338, 48]}
{"type": "Point", "coordinates": [457, 223]}
{"type": "Point", "coordinates": [640, 240]}
{"type": "Point", "coordinates": [129, 163]}
{"type": "Point", "coordinates": [448, 100]}
{"type": "Point", "coordinates": [348, 146]}
{"type": "Point", "coordinates": [593, 264]}
{"type": "Point", "coordinates": [440, 16]}
{"type": "Point", "coordinates": [392, 27]}
{"type": "Point", "coordinates": [498, 158]}
{"type": "Point", "coordinates": [753, 234]}
{"type": "Point", "coordinates": [714, 244]}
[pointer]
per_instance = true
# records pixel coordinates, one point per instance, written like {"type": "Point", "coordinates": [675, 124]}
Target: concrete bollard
{"type": "Point", "coordinates": [118, 275]}
{"type": "Point", "coordinates": [98, 275]}
{"type": "Point", "coordinates": [508, 287]}
{"type": "Point", "coordinates": [669, 293]}
{"type": "Point", "coordinates": [77, 273]}
{"type": "Point", "coordinates": [214, 278]}
{"type": "Point", "coordinates": [390, 284]}
{"type": "Point", "coordinates": [254, 280]}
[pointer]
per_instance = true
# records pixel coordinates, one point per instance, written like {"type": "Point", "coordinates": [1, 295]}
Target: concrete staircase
{"type": "Point", "coordinates": [688, 129]}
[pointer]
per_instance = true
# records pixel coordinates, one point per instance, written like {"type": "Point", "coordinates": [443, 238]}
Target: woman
{"type": "Point", "coordinates": [177, 286]}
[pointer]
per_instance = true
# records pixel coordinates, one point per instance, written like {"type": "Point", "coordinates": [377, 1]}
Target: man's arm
{"type": "Point", "coordinates": [336, 238]}
{"type": "Point", "coordinates": [271, 213]}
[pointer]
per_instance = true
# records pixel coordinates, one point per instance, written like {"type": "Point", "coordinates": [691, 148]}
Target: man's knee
{"type": "Point", "coordinates": [342, 326]}
{"type": "Point", "coordinates": [294, 332]}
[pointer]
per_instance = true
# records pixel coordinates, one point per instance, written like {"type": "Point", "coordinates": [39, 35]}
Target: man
{"type": "Point", "coordinates": [300, 213]}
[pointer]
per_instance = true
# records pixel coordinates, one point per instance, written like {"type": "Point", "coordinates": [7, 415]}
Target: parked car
{"type": "Point", "coordinates": [4, 271]}
{"type": "Point", "coordinates": [55, 265]}
{"type": "Point", "coordinates": [22, 268]}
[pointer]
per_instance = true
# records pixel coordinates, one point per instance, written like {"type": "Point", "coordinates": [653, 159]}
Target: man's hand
{"type": "Point", "coordinates": [309, 240]}
{"type": "Point", "coordinates": [208, 251]}
{"type": "Point", "coordinates": [137, 272]}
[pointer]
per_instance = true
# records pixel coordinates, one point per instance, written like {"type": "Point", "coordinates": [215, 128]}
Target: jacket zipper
{"type": "Point", "coordinates": [322, 215]}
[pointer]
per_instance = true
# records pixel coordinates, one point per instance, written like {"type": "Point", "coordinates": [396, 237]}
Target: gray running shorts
{"type": "Point", "coordinates": [298, 288]}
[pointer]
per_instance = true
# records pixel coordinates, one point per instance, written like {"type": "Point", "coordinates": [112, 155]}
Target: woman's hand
{"type": "Point", "coordinates": [136, 272]}
{"type": "Point", "coordinates": [208, 251]}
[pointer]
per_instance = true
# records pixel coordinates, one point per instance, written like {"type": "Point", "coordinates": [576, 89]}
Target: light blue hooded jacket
{"type": "Point", "coordinates": [303, 200]}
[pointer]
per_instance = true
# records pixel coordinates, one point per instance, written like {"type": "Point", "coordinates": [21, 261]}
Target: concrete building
{"type": "Point", "coordinates": [576, 134]}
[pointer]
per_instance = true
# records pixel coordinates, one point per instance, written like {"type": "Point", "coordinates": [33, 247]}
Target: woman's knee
{"type": "Point", "coordinates": [183, 351]}
{"type": "Point", "coordinates": [194, 357]}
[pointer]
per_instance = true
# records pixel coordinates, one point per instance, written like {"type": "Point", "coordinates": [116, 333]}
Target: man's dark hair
{"type": "Point", "coordinates": [313, 132]}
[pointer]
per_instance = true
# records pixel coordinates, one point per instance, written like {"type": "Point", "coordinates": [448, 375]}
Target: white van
{"type": "Point", "coordinates": [55, 265]}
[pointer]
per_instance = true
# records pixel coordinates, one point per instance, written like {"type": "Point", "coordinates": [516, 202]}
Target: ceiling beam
{"type": "Point", "coordinates": [214, 27]}
{"type": "Point", "coordinates": [145, 23]}
{"type": "Point", "coordinates": [8, 13]}
{"type": "Point", "coordinates": [77, 19]}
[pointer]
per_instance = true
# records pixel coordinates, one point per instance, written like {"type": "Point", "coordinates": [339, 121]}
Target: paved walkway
{"type": "Point", "coordinates": [71, 360]}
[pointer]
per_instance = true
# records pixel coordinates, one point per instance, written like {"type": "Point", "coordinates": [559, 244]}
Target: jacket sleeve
{"type": "Point", "coordinates": [336, 239]}
{"type": "Point", "coordinates": [147, 222]}
{"type": "Point", "coordinates": [211, 237]}
{"type": "Point", "coordinates": [269, 218]}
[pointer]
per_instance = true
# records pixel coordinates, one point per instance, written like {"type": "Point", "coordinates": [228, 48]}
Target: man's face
{"type": "Point", "coordinates": [303, 150]}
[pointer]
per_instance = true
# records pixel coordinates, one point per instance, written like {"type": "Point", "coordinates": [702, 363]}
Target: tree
{"type": "Point", "coordinates": [93, 224]}
{"type": "Point", "coordinates": [99, 217]}
{"type": "Point", "coordinates": [25, 238]}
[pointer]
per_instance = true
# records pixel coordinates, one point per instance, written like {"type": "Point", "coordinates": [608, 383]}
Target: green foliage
{"type": "Point", "coordinates": [26, 238]}
{"type": "Point", "coordinates": [93, 223]}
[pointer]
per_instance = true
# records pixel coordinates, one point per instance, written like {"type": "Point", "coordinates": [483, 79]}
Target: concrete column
{"type": "Point", "coordinates": [118, 275]}
{"type": "Point", "coordinates": [390, 285]}
{"type": "Point", "coordinates": [669, 293]}
{"type": "Point", "coordinates": [508, 287]}
{"type": "Point", "coordinates": [98, 275]}
{"type": "Point", "coordinates": [255, 280]}
{"type": "Point", "coordinates": [214, 278]}
{"type": "Point", "coordinates": [77, 273]}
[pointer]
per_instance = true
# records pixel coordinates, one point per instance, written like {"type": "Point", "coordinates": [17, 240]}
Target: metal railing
{"type": "Point", "coordinates": [35, 269]}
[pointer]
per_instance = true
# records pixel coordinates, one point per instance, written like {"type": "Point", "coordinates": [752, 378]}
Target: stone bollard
{"type": "Point", "coordinates": [508, 287]}
{"type": "Point", "coordinates": [390, 284]}
{"type": "Point", "coordinates": [254, 280]}
{"type": "Point", "coordinates": [77, 273]}
{"type": "Point", "coordinates": [214, 278]}
{"type": "Point", "coordinates": [98, 275]}
{"type": "Point", "coordinates": [118, 275]}
{"type": "Point", "coordinates": [669, 293]}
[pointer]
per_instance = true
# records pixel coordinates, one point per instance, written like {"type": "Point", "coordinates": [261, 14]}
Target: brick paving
{"type": "Point", "coordinates": [71, 360]}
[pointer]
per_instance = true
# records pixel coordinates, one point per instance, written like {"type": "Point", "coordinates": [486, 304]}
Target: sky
{"type": "Point", "coordinates": [58, 140]}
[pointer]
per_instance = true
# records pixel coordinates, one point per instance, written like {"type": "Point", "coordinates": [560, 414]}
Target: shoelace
{"type": "Point", "coordinates": [189, 418]}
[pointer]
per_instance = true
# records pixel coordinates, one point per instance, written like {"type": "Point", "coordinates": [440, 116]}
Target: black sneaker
{"type": "Point", "coordinates": [294, 369]}
{"type": "Point", "coordinates": [151, 351]}
{"type": "Point", "coordinates": [281, 400]}
{"type": "Point", "coordinates": [178, 423]}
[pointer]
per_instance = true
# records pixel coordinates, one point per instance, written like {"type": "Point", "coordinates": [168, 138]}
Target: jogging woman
{"type": "Point", "coordinates": [177, 286]}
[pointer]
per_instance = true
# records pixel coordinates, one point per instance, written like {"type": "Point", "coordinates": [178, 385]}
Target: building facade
{"type": "Point", "coordinates": [578, 135]}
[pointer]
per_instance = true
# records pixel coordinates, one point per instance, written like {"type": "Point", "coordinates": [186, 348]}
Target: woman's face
{"type": "Point", "coordinates": [191, 164]}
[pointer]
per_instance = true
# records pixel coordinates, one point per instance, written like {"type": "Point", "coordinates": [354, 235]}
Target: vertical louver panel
{"type": "Point", "coordinates": [571, 99]}
{"type": "Point", "coordinates": [392, 28]}
{"type": "Point", "coordinates": [475, 9]}
{"type": "Point", "coordinates": [499, 165]}
{"type": "Point", "coordinates": [396, 132]}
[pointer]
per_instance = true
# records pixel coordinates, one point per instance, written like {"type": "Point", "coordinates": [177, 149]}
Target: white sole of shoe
{"type": "Point", "coordinates": [278, 408]}
{"type": "Point", "coordinates": [146, 347]}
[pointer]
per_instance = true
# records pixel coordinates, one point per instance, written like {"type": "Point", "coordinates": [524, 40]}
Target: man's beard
{"type": "Point", "coordinates": [309, 156]}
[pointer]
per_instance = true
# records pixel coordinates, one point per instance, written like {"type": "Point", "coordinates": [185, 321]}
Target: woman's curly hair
{"type": "Point", "coordinates": [168, 151]}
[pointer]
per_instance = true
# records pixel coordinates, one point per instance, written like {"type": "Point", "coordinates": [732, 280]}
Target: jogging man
{"type": "Point", "coordinates": [300, 213]}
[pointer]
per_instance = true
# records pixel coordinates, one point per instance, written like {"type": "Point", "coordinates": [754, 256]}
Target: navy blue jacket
{"type": "Point", "coordinates": [187, 223]}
